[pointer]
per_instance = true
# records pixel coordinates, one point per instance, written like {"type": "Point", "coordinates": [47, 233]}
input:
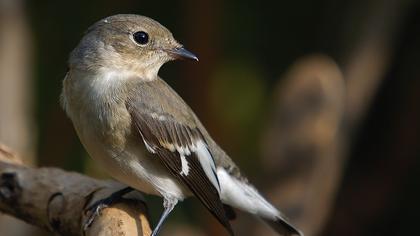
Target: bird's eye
{"type": "Point", "coordinates": [141, 37]}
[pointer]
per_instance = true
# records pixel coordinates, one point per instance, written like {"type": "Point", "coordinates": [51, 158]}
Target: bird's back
{"type": "Point", "coordinates": [170, 103]}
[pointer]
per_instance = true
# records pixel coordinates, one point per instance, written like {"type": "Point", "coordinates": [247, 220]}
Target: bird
{"type": "Point", "coordinates": [143, 133]}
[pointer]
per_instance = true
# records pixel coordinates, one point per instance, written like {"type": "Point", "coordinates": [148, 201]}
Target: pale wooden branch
{"type": "Point", "coordinates": [56, 200]}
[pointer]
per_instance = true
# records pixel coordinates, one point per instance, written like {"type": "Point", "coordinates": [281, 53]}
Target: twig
{"type": "Point", "coordinates": [56, 200]}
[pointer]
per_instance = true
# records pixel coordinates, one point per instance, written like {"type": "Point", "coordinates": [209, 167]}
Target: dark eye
{"type": "Point", "coordinates": [141, 37]}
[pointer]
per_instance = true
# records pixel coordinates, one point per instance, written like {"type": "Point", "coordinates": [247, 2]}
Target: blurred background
{"type": "Point", "coordinates": [317, 101]}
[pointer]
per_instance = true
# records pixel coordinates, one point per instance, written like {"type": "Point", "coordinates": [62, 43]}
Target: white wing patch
{"type": "Point", "coordinates": [204, 157]}
{"type": "Point", "coordinates": [148, 147]}
{"type": "Point", "coordinates": [207, 162]}
{"type": "Point", "coordinates": [198, 147]}
{"type": "Point", "coordinates": [185, 167]}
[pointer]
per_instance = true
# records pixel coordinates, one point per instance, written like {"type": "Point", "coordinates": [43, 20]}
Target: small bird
{"type": "Point", "coordinates": [142, 132]}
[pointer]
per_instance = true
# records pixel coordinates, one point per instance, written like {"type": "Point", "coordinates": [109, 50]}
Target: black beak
{"type": "Point", "coordinates": [182, 53]}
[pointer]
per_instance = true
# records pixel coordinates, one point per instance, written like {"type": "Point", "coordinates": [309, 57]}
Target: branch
{"type": "Point", "coordinates": [56, 200]}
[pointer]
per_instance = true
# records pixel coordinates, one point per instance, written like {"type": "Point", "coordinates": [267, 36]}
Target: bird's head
{"type": "Point", "coordinates": [127, 44]}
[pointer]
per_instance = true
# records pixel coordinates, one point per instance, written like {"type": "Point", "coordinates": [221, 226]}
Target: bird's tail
{"type": "Point", "coordinates": [244, 196]}
{"type": "Point", "coordinates": [282, 226]}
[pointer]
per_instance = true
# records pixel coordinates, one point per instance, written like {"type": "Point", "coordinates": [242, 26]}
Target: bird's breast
{"type": "Point", "coordinates": [96, 105]}
{"type": "Point", "coordinates": [103, 124]}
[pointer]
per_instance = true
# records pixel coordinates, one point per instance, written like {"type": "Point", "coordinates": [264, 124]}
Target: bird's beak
{"type": "Point", "coordinates": [182, 53]}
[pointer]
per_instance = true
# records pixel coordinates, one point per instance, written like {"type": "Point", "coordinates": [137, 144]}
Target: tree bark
{"type": "Point", "coordinates": [56, 200]}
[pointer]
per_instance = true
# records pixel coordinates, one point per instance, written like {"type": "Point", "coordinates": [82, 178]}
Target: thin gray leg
{"type": "Point", "coordinates": [168, 205]}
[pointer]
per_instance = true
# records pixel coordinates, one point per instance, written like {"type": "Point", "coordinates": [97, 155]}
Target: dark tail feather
{"type": "Point", "coordinates": [230, 212]}
{"type": "Point", "coordinates": [282, 227]}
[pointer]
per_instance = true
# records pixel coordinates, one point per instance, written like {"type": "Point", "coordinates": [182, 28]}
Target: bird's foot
{"type": "Point", "coordinates": [96, 208]}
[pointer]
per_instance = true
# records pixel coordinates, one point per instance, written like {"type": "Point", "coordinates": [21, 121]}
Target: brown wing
{"type": "Point", "coordinates": [184, 152]}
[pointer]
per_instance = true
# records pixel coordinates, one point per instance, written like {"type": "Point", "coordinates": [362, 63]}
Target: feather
{"type": "Point", "coordinates": [183, 151]}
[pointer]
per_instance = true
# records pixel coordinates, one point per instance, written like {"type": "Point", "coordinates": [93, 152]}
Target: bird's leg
{"type": "Point", "coordinates": [168, 205]}
{"type": "Point", "coordinates": [101, 204]}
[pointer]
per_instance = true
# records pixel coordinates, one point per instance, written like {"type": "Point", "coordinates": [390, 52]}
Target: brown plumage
{"type": "Point", "coordinates": [121, 110]}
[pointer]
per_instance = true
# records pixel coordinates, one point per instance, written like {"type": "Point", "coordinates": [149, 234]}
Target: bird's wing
{"type": "Point", "coordinates": [183, 150]}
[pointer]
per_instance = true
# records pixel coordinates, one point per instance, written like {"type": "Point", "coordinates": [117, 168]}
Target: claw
{"type": "Point", "coordinates": [96, 208]}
